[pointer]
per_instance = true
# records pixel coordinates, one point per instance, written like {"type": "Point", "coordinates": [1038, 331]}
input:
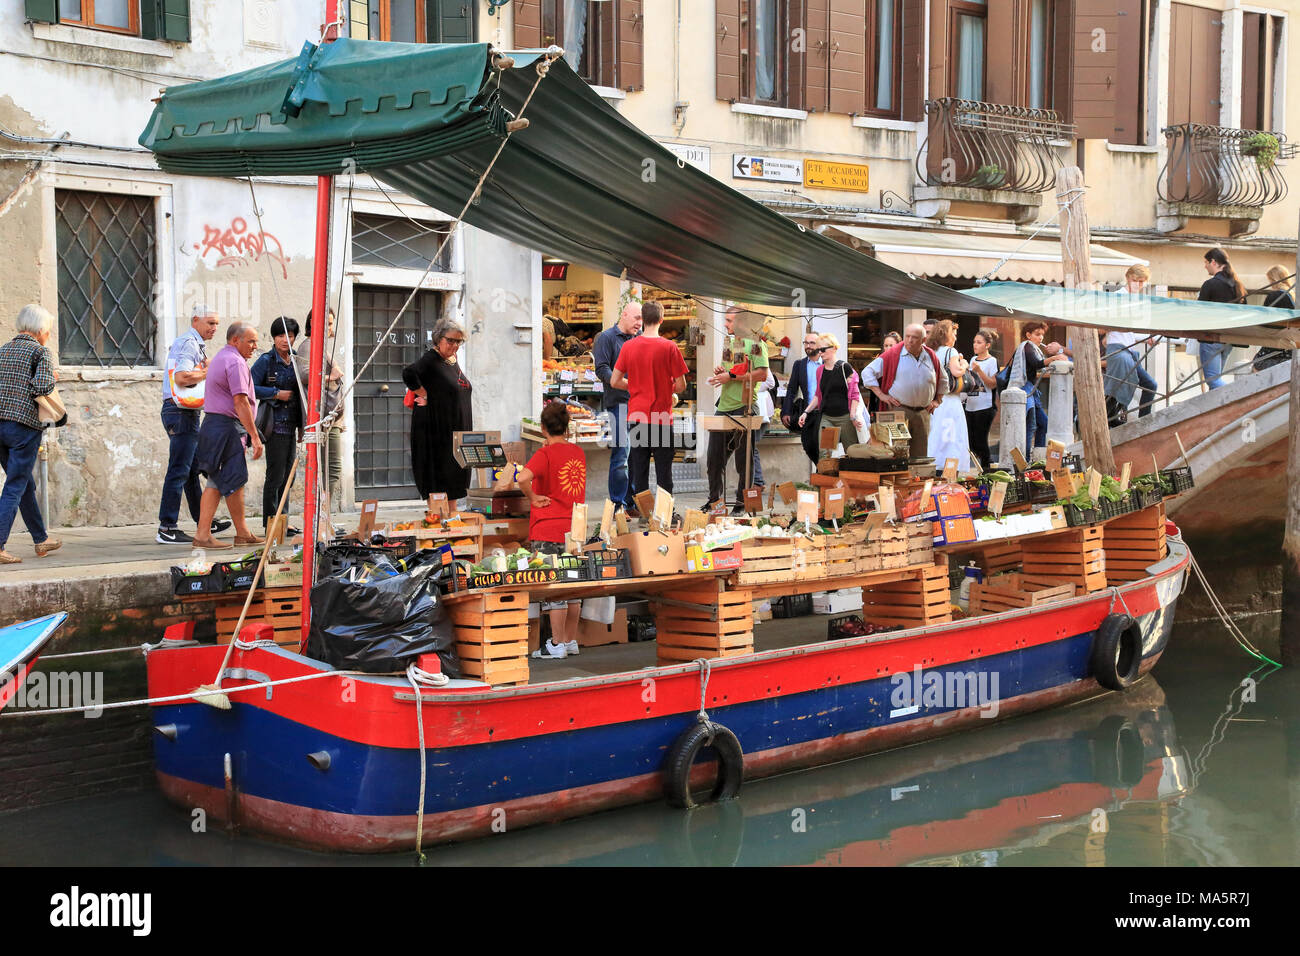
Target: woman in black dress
{"type": "Point", "coordinates": [442, 406]}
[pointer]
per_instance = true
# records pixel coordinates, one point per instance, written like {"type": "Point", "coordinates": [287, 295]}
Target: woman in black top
{"type": "Point", "coordinates": [442, 406]}
{"type": "Point", "coordinates": [1222, 286]}
{"type": "Point", "coordinates": [1278, 297]}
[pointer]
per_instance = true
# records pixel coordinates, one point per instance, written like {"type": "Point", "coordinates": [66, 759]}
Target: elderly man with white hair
{"type": "Point", "coordinates": [613, 401]}
{"type": "Point", "coordinates": [26, 373]}
{"type": "Point", "coordinates": [907, 376]}
{"type": "Point", "coordinates": [186, 366]}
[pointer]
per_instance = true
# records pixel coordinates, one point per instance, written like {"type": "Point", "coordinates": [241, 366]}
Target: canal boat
{"type": "Point", "coordinates": [339, 761]}
{"type": "Point", "coordinates": [20, 647]}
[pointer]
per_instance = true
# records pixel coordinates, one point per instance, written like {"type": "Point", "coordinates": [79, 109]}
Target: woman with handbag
{"type": "Point", "coordinates": [838, 395]}
{"type": "Point", "coordinates": [279, 413]}
{"type": "Point", "coordinates": [980, 407]}
{"type": "Point", "coordinates": [29, 402]}
{"type": "Point", "coordinates": [948, 436]}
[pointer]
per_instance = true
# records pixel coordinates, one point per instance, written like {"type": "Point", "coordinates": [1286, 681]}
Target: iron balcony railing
{"type": "Point", "coordinates": [1219, 166]}
{"type": "Point", "coordinates": [991, 146]}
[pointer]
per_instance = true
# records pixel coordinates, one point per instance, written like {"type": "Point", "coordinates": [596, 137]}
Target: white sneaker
{"type": "Point", "coordinates": [549, 651]}
{"type": "Point", "coordinates": [571, 648]}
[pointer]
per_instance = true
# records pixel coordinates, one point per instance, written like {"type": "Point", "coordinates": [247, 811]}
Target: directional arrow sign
{"type": "Point", "coordinates": [766, 168]}
{"type": "Point", "coordinates": [825, 175]}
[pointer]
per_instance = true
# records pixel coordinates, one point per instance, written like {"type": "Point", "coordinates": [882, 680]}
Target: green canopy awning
{"type": "Point", "coordinates": [1144, 313]}
{"type": "Point", "coordinates": [580, 182]}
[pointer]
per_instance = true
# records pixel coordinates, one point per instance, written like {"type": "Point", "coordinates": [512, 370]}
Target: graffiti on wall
{"type": "Point", "coordinates": [236, 245]}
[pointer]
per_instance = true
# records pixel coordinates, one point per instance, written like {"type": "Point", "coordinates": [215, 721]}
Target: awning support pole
{"type": "Point", "coordinates": [320, 326]}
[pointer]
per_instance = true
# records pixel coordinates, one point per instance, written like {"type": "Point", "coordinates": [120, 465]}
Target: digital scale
{"type": "Point", "coordinates": [478, 449]}
{"type": "Point", "coordinates": [484, 452]}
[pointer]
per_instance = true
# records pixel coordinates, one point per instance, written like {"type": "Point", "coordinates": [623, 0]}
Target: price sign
{"type": "Point", "coordinates": [806, 506]}
{"type": "Point", "coordinates": [1094, 483]}
{"type": "Point", "coordinates": [1018, 458]}
{"type": "Point", "coordinates": [1063, 483]}
{"type": "Point", "coordinates": [598, 386]}
{"type": "Point", "coordinates": [1124, 475]}
{"type": "Point", "coordinates": [567, 375]}
{"type": "Point", "coordinates": [997, 497]}
{"type": "Point", "coordinates": [950, 470]}
{"type": "Point", "coordinates": [566, 389]}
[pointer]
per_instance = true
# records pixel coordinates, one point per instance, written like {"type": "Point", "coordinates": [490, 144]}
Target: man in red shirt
{"type": "Point", "coordinates": [653, 371]}
{"type": "Point", "coordinates": [555, 479]}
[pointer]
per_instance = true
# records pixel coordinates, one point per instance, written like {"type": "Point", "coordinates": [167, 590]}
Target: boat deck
{"type": "Point", "coordinates": [635, 655]}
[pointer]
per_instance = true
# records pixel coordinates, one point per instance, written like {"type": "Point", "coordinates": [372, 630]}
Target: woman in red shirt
{"type": "Point", "coordinates": [555, 479]}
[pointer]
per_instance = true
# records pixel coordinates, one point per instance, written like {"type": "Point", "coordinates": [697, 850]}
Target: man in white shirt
{"type": "Point", "coordinates": [907, 377]}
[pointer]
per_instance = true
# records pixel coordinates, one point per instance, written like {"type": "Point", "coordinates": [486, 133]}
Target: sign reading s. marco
{"type": "Point", "coordinates": [766, 168]}
{"type": "Point", "coordinates": [820, 174]}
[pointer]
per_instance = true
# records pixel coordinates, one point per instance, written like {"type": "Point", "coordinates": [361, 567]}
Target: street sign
{"type": "Point", "coordinates": [697, 156]}
{"type": "Point", "coordinates": [820, 174]}
{"type": "Point", "coordinates": [766, 168]}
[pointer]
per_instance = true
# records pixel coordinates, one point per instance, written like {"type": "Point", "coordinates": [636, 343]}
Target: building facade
{"type": "Point", "coordinates": [924, 132]}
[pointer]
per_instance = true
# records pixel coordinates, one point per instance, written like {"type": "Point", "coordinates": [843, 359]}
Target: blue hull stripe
{"type": "Point", "coordinates": [269, 751]}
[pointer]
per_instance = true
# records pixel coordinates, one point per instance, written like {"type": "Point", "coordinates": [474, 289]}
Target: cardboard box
{"type": "Point", "coordinates": [954, 530]}
{"type": "Point", "coordinates": [285, 575]}
{"type": "Point", "coordinates": [594, 634]}
{"type": "Point", "coordinates": [654, 552]}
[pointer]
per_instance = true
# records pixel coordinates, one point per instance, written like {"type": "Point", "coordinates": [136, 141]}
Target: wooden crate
{"type": "Point", "coordinates": [492, 636]}
{"type": "Point", "coordinates": [1072, 557]}
{"type": "Point", "coordinates": [842, 554]}
{"type": "Point", "coordinates": [279, 607]}
{"type": "Point", "coordinates": [767, 561]}
{"type": "Point", "coordinates": [921, 598]}
{"type": "Point", "coordinates": [1008, 592]}
{"type": "Point", "coordinates": [1133, 546]}
{"type": "Point", "coordinates": [722, 627]}
{"type": "Point", "coordinates": [1000, 557]}
{"type": "Point", "coordinates": [810, 559]}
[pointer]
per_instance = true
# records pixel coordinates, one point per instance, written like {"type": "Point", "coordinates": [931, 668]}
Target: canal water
{"type": "Point", "coordinates": [1197, 765]}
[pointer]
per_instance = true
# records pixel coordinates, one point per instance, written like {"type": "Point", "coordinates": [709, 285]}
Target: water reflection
{"type": "Point", "coordinates": [1195, 768]}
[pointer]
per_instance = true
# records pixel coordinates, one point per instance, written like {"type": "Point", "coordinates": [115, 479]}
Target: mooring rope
{"type": "Point", "coordinates": [706, 669]}
{"type": "Point", "coordinates": [1222, 612]}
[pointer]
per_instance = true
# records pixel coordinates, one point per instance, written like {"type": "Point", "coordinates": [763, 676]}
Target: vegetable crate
{"type": "Point", "coordinates": [1077, 517]}
{"type": "Point", "coordinates": [916, 601]}
{"type": "Point", "coordinates": [792, 605]}
{"type": "Point", "coordinates": [1072, 557]}
{"type": "Point", "coordinates": [279, 607]}
{"type": "Point", "coordinates": [1144, 499]}
{"type": "Point", "coordinates": [810, 558]}
{"type": "Point", "coordinates": [1113, 509]}
{"type": "Point", "coordinates": [607, 563]}
{"type": "Point", "coordinates": [1134, 543]}
{"type": "Point", "coordinates": [891, 547]}
{"type": "Point", "coordinates": [842, 552]}
{"type": "Point", "coordinates": [722, 626]}
{"type": "Point", "coordinates": [1008, 592]}
{"type": "Point", "coordinates": [1180, 478]}
{"type": "Point", "coordinates": [1040, 492]}
{"type": "Point", "coordinates": [492, 637]}
{"type": "Point", "coordinates": [766, 561]}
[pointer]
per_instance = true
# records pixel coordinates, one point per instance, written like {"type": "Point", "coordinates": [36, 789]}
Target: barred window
{"type": "Point", "coordinates": [399, 243]}
{"type": "Point", "coordinates": [107, 264]}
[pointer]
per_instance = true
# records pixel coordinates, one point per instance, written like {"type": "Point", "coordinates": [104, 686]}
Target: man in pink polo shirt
{"type": "Point", "coordinates": [229, 403]}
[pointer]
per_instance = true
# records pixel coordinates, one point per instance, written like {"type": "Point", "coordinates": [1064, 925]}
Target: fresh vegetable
{"type": "Point", "coordinates": [1000, 476]}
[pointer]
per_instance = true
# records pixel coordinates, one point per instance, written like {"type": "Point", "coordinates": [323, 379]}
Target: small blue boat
{"type": "Point", "coordinates": [20, 645]}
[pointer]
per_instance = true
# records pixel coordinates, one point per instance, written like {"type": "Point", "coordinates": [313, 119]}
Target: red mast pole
{"type": "Point", "coordinates": [320, 328]}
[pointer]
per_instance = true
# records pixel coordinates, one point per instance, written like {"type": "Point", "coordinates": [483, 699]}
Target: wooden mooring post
{"type": "Point", "coordinates": [1076, 267]}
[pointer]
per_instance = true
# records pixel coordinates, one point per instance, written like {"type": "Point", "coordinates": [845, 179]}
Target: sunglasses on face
{"type": "Point", "coordinates": [455, 341]}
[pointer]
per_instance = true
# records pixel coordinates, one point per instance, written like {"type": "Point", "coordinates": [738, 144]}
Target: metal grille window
{"type": "Point", "coordinates": [107, 263]}
{"type": "Point", "coordinates": [400, 243]}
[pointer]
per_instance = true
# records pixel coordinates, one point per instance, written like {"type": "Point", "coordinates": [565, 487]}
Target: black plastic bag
{"type": "Point", "coordinates": [383, 624]}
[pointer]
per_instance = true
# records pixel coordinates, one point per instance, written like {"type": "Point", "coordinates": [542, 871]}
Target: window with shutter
{"type": "Point", "coordinates": [1194, 65]}
{"type": "Point", "coordinates": [42, 11]}
{"type": "Point", "coordinates": [528, 24]}
{"type": "Point", "coordinates": [631, 51]}
{"type": "Point", "coordinates": [588, 33]}
{"type": "Point", "coordinates": [1260, 52]}
{"type": "Point", "coordinates": [1134, 51]}
{"type": "Point", "coordinates": [816, 72]}
{"type": "Point", "coordinates": [847, 80]}
{"type": "Point", "coordinates": [727, 50]}
{"type": "Point", "coordinates": [115, 16]}
{"type": "Point", "coordinates": [911, 70]}
{"type": "Point", "coordinates": [884, 54]}
{"type": "Point", "coordinates": [450, 21]}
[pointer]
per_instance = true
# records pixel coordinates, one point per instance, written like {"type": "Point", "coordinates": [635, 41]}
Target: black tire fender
{"type": "Point", "coordinates": [1116, 652]}
{"type": "Point", "coordinates": [681, 758]}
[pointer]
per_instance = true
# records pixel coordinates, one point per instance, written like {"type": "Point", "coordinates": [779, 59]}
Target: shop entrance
{"type": "Point", "coordinates": [382, 459]}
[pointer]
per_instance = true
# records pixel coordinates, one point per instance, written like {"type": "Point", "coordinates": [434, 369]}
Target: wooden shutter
{"type": "Point", "coordinates": [1252, 42]}
{"type": "Point", "coordinates": [528, 24]}
{"type": "Point", "coordinates": [449, 21]}
{"type": "Point", "coordinates": [912, 71]}
{"type": "Point", "coordinates": [165, 20]}
{"type": "Point", "coordinates": [727, 50]}
{"type": "Point", "coordinates": [847, 60]}
{"type": "Point", "coordinates": [1063, 59]}
{"type": "Point", "coordinates": [631, 50]}
{"type": "Point", "coordinates": [45, 11]}
{"type": "Point", "coordinates": [816, 74]}
{"type": "Point", "coordinates": [1096, 66]}
{"type": "Point", "coordinates": [1194, 64]}
{"type": "Point", "coordinates": [1130, 80]}
{"type": "Point", "coordinates": [1003, 68]}
{"type": "Point", "coordinates": [939, 68]}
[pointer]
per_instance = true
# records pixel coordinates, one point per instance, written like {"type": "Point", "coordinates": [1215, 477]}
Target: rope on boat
{"type": "Point", "coordinates": [135, 648]}
{"type": "Point", "coordinates": [1223, 616]}
{"type": "Point", "coordinates": [706, 669]}
{"type": "Point", "coordinates": [1220, 728]}
{"type": "Point", "coordinates": [116, 705]}
{"type": "Point", "coordinates": [416, 676]}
